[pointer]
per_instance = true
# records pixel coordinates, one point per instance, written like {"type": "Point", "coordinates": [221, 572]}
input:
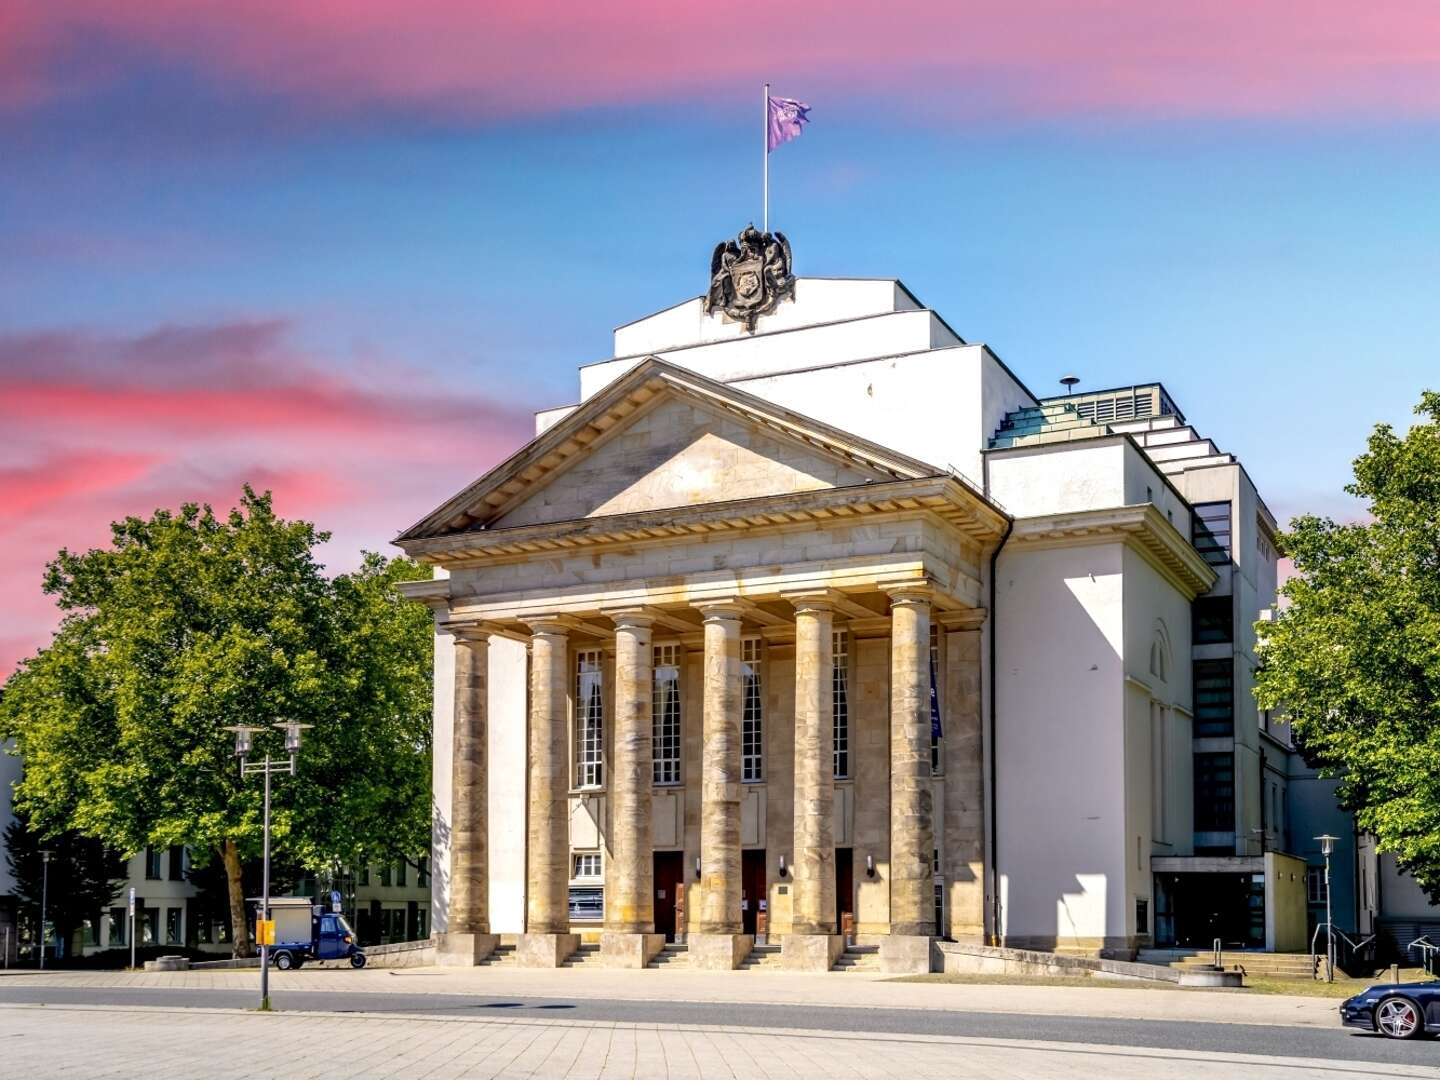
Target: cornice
{"type": "Point", "coordinates": [1142, 527]}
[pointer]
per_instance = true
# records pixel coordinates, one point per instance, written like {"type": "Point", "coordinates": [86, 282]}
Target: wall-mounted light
{"type": "Point", "coordinates": [869, 865]}
{"type": "Point", "coordinates": [697, 867]}
{"type": "Point", "coordinates": [782, 866]}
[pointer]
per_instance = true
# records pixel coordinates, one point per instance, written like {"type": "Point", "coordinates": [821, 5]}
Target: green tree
{"type": "Point", "coordinates": [84, 878]}
{"type": "Point", "coordinates": [1353, 658]}
{"type": "Point", "coordinates": [191, 622]}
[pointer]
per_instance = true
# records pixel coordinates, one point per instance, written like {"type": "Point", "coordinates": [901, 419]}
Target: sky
{"type": "Point", "coordinates": [342, 249]}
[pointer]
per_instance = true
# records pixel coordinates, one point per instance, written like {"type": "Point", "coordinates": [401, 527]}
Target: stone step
{"type": "Point", "coordinates": [859, 958]}
{"type": "Point", "coordinates": [584, 954]}
{"type": "Point", "coordinates": [503, 954]}
{"type": "Point", "coordinates": [673, 955]}
{"type": "Point", "coordinates": [761, 956]}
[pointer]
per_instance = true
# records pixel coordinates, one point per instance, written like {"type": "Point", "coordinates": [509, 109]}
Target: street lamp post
{"type": "Point", "coordinates": [1327, 846]}
{"type": "Point", "coordinates": [266, 768]}
{"type": "Point", "coordinates": [45, 854]}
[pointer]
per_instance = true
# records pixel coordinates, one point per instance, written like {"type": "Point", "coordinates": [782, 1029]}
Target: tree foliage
{"type": "Point", "coordinates": [84, 877]}
{"type": "Point", "coordinates": [1354, 656]}
{"type": "Point", "coordinates": [191, 622]}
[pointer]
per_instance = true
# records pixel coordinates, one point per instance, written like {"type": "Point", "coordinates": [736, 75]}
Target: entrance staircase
{"type": "Point", "coordinates": [859, 958]}
{"type": "Point", "coordinates": [672, 956]}
{"type": "Point", "coordinates": [762, 958]}
{"type": "Point", "coordinates": [584, 954]}
{"type": "Point", "coordinates": [503, 956]}
{"type": "Point", "coordinates": [1264, 964]}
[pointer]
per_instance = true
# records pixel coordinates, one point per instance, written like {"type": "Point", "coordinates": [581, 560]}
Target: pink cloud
{"type": "Point", "coordinates": [1041, 57]}
{"type": "Point", "coordinates": [99, 427]}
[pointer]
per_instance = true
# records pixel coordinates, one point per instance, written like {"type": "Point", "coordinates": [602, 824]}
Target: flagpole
{"type": "Point", "coordinates": [765, 150]}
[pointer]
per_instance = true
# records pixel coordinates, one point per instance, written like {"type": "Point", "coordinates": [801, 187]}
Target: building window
{"type": "Point", "coordinates": [665, 716]}
{"type": "Point", "coordinates": [1214, 698]}
{"type": "Point", "coordinates": [1211, 530]}
{"type": "Point", "coordinates": [587, 865]}
{"type": "Point", "coordinates": [587, 904]}
{"type": "Point", "coordinates": [385, 875]}
{"type": "Point", "coordinates": [422, 875]}
{"type": "Point", "coordinates": [177, 862]}
{"type": "Point", "coordinates": [365, 875]}
{"type": "Point", "coordinates": [1212, 620]}
{"type": "Point", "coordinates": [589, 720]}
{"type": "Point", "coordinates": [1142, 915]}
{"type": "Point", "coordinates": [118, 918]}
{"type": "Point", "coordinates": [1315, 884]}
{"type": "Point", "coordinates": [400, 872]}
{"type": "Point", "coordinates": [840, 701]}
{"type": "Point", "coordinates": [1214, 793]}
{"type": "Point", "coordinates": [172, 925]}
{"type": "Point", "coordinates": [936, 728]}
{"type": "Point", "coordinates": [152, 864]}
{"type": "Point", "coordinates": [752, 718]}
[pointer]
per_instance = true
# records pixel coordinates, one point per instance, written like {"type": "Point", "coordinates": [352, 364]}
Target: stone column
{"type": "Point", "coordinates": [964, 778]}
{"type": "Point", "coordinates": [629, 938]}
{"type": "Point", "coordinates": [467, 939]}
{"type": "Point", "coordinates": [912, 826]}
{"type": "Point", "coordinates": [813, 944]}
{"type": "Point", "coordinates": [547, 941]}
{"type": "Point", "coordinates": [719, 942]}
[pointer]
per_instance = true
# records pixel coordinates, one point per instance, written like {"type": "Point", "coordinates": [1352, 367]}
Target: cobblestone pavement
{"type": "Point", "coordinates": [42, 1042]}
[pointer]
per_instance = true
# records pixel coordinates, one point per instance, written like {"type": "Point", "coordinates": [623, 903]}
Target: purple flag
{"type": "Point", "coordinates": [787, 118]}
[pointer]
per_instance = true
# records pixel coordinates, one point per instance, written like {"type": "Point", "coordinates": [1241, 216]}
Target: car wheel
{"type": "Point", "coordinates": [1398, 1018]}
{"type": "Point", "coordinates": [357, 960]}
{"type": "Point", "coordinates": [284, 961]}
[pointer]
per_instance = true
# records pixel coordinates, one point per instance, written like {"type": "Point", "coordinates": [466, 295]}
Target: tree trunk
{"type": "Point", "coordinates": [240, 926]}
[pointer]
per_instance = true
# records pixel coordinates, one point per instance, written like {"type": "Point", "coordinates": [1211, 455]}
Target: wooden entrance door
{"type": "Point", "coordinates": [669, 873]}
{"type": "Point", "coordinates": [844, 885]}
{"type": "Point", "coordinates": [752, 886]}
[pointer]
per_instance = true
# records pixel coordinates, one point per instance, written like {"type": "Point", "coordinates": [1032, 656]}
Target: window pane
{"type": "Point", "coordinates": [1214, 698]}
{"type": "Point", "coordinates": [752, 735]}
{"type": "Point", "coordinates": [936, 727]}
{"type": "Point", "coordinates": [1212, 620]}
{"type": "Point", "coordinates": [589, 720]}
{"type": "Point", "coordinates": [1211, 526]}
{"type": "Point", "coordinates": [665, 716]}
{"type": "Point", "coordinates": [1214, 792]}
{"type": "Point", "coordinates": [840, 696]}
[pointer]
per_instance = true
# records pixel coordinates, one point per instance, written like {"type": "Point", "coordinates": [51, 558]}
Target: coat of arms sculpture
{"type": "Point", "coordinates": [749, 276]}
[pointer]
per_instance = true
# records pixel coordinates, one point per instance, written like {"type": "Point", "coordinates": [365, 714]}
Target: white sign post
{"type": "Point", "coordinates": [132, 927]}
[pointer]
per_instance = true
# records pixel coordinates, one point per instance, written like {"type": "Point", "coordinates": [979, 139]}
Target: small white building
{"type": "Point", "coordinates": [1088, 583]}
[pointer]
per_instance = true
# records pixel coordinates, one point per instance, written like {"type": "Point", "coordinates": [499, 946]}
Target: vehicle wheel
{"type": "Point", "coordinates": [357, 960]}
{"type": "Point", "coordinates": [1398, 1018]}
{"type": "Point", "coordinates": [284, 961]}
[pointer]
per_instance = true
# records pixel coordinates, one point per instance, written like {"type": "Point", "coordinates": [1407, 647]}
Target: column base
{"type": "Point", "coordinates": [464, 950]}
{"type": "Point", "coordinates": [619, 949]}
{"type": "Point", "coordinates": [811, 952]}
{"type": "Point", "coordinates": [545, 950]}
{"type": "Point", "coordinates": [718, 952]}
{"type": "Point", "coordinates": [906, 954]}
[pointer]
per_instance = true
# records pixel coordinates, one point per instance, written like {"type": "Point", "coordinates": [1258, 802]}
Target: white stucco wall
{"type": "Point", "coordinates": [1060, 707]}
{"type": "Point", "coordinates": [1032, 481]}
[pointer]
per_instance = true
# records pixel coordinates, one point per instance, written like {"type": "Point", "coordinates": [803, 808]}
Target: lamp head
{"type": "Point", "coordinates": [869, 865]}
{"type": "Point", "coordinates": [243, 736]}
{"type": "Point", "coordinates": [1327, 844]}
{"type": "Point", "coordinates": [782, 866]}
{"type": "Point", "coordinates": [292, 731]}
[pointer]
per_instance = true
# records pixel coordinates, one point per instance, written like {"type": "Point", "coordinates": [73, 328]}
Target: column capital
{"type": "Point", "coordinates": [910, 592]}
{"type": "Point", "coordinates": [630, 617]}
{"type": "Point", "coordinates": [721, 609]}
{"type": "Point", "coordinates": [812, 600]}
{"type": "Point", "coordinates": [549, 625]}
{"type": "Point", "coordinates": [965, 619]}
{"type": "Point", "coordinates": [469, 632]}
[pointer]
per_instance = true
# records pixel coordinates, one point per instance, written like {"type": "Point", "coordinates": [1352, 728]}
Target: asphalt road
{"type": "Point", "coordinates": [1337, 1045]}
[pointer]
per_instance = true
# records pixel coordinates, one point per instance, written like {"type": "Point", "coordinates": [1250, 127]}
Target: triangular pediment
{"type": "Point", "coordinates": [658, 438]}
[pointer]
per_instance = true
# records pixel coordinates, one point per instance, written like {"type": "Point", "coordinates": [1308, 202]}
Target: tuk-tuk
{"type": "Point", "coordinates": [305, 931]}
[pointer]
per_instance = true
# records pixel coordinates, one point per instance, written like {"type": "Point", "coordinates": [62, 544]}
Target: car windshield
{"type": "Point", "coordinates": [345, 926]}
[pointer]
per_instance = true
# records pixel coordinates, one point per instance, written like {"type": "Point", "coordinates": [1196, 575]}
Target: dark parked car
{"type": "Point", "coordinates": [1395, 1010]}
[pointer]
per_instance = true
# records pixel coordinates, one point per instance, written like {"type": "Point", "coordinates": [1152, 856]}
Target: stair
{"type": "Point", "coordinates": [672, 956]}
{"type": "Point", "coordinates": [762, 957]}
{"type": "Point", "coordinates": [1267, 964]}
{"type": "Point", "coordinates": [503, 956]}
{"type": "Point", "coordinates": [584, 954]}
{"type": "Point", "coordinates": [859, 958]}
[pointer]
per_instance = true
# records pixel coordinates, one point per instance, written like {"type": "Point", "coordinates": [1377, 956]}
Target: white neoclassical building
{"type": "Point", "coordinates": [809, 620]}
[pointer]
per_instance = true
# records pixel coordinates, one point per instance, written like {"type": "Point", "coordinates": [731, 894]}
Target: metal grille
{"type": "Point", "coordinates": [665, 716]}
{"type": "Point", "coordinates": [752, 723]}
{"type": "Point", "coordinates": [589, 720]}
{"type": "Point", "coordinates": [840, 697]}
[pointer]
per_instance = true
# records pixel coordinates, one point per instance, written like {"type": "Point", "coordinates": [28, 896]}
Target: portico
{"type": "Point", "coordinates": [734, 617]}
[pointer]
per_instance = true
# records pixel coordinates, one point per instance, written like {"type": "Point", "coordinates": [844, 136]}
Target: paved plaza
{"type": "Point", "coordinates": [165, 1043]}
